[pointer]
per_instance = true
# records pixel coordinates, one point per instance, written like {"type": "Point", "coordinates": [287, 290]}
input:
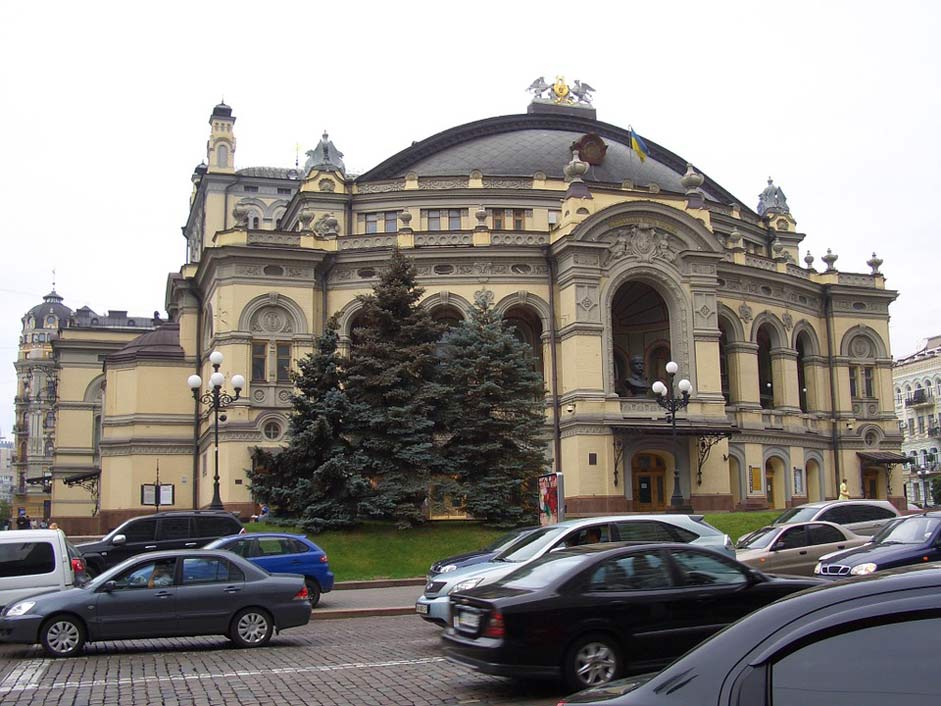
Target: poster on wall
{"type": "Point", "coordinates": [551, 499]}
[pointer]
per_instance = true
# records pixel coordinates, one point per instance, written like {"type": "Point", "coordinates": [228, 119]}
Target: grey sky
{"type": "Point", "coordinates": [105, 109]}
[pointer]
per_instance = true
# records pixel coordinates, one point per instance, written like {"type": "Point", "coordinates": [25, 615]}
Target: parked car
{"type": "Point", "coordinates": [459, 561]}
{"type": "Point", "coordinates": [864, 517]}
{"type": "Point", "coordinates": [914, 539]}
{"type": "Point", "coordinates": [35, 561]}
{"type": "Point", "coordinates": [591, 614]}
{"type": "Point", "coordinates": [160, 531]}
{"type": "Point", "coordinates": [865, 643]}
{"type": "Point", "coordinates": [283, 553]}
{"type": "Point", "coordinates": [432, 605]}
{"type": "Point", "coordinates": [794, 549]}
{"type": "Point", "coordinates": [163, 594]}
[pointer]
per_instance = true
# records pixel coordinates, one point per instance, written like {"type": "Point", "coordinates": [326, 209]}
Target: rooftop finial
{"type": "Point", "coordinates": [772, 200]}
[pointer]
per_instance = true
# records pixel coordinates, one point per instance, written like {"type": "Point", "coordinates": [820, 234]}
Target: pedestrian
{"type": "Point", "coordinates": [844, 490]}
{"type": "Point", "coordinates": [53, 525]}
{"type": "Point", "coordinates": [22, 522]}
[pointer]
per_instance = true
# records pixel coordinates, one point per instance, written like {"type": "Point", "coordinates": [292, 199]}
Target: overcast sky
{"type": "Point", "coordinates": [104, 110]}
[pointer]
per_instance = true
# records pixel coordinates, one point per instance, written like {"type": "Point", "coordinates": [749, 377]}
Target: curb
{"type": "Point", "coordinates": [316, 614]}
{"type": "Point", "coordinates": [377, 583]}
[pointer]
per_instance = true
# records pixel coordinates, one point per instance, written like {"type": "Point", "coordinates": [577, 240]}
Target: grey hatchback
{"type": "Point", "coordinates": [162, 594]}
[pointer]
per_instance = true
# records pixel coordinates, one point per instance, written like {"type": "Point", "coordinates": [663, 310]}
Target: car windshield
{"type": "Point", "coordinates": [796, 514]}
{"type": "Point", "coordinates": [913, 530]}
{"type": "Point", "coordinates": [505, 540]}
{"type": "Point", "coordinates": [531, 544]}
{"type": "Point", "coordinates": [541, 572]}
{"type": "Point", "coordinates": [759, 539]}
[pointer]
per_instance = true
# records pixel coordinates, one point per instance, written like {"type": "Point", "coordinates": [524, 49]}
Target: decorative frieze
{"type": "Point", "coordinates": [519, 239]}
{"type": "Point", "coordinates": [641, 241]}
{"type": "Point", "coordinates": [435, 183]}
{"type": "Point", "coordinates": [381, 187]}
{"type": "Point", "coordinates": [437, 238]}
{"type": "Point", "coordinates": [498, 183]}
{"type": "Point", "coordinates": [266, 237]}
{"type": "Point", "coordinates": [760, 262]}
{"type": "Point", "coordinates": [769, 291]}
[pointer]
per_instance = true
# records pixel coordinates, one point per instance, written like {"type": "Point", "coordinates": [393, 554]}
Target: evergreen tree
{"type": "Point", "coordinates": [390, 381]}
{"type": "Point", "coordinates": [496, 419]}
{"type": "Point", "coordinates": [314, 479]}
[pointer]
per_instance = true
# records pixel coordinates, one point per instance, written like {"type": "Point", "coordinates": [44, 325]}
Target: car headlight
{"type": "Point", "coordinates": [446, 569]}
{"type": "Point", "coordinates": [863, 569]}
{"type": "Point", "coordinates": [817, 567]}
{"type": "Point", "coordinates": [20, 608]}
{"type": "Point", "coordinates": [465, 585]}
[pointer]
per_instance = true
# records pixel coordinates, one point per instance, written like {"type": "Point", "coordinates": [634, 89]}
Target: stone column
{"type": "Point", "coordinates": [784, 379]}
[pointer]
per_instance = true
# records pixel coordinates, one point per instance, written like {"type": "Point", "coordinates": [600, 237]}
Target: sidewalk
{"type": "Point", "coordinates": [361, 599]}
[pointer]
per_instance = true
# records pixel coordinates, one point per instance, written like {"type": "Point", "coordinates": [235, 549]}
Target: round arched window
{"type": "Point", "coordinates": [272, 430]}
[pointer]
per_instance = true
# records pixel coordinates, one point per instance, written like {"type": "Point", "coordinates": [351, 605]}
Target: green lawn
{"type": "Point", "coordinates": [378, 550]}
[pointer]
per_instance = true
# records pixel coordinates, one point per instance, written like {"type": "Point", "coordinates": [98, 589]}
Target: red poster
{"type": "Point", "coordinates": [550, 498]}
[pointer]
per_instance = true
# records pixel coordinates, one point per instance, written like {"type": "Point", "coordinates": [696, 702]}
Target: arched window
{"type": "Point", "coordinates": [724, 339]}
{"type": "Point", "coordinates": [272, 346]}
{"type": "Point", "coordinates": [528, 328]}
{"type": "Point", "coordinates": [222, 156]}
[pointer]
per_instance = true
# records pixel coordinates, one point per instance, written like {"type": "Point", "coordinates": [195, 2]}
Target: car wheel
{"type": "Point", "coordinates": [251, 627]}
{"type": "Point", "coordinates": [313, 591]}
{"type": "Point", "coordinates": [62, 636]}
{"type": "Point", "coordinates": [591, 660]}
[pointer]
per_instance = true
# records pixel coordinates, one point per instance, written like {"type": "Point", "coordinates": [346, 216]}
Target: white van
{"type": "Point", "coordinates": [33, 561]}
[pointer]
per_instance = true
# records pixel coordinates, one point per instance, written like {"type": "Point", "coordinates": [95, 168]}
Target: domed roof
{"type": "Point", "coordinates": [161, 343]}
{"type": "Point", "coordinates": [520, 145]}
{"type": "Point", "coordinates": [51, 304]}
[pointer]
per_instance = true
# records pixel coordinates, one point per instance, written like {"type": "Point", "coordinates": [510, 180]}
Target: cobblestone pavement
{"type": "Point", "coordinates": [383, 661]}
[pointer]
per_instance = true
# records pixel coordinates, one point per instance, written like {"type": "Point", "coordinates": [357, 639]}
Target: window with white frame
{"type": "Point", "coordinates": [443, 219]}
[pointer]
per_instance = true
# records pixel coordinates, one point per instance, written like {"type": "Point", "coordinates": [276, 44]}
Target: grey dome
{"type": "Point", "coordinates": [521, 145]}
{"type": "Point", "coordinates": [51, 304]}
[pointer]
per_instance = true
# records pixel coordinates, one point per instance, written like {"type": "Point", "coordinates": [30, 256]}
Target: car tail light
{"type": "Point", "coordinates": [78, 566]}
{"type": "Point", "coordinates": [302, 595]}
{"type": "Point", "coordinates": [323, 558]}
{"type": "Point", "coordinates": [495, 626]}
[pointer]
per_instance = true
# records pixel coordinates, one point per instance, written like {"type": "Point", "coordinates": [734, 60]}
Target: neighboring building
{"type": "Point", "coordinates": [608, 260]}
{"type": "Point", "coordinates": [917, 380]}
{"type": "Point", "coordinates": [59, 376]}
{"type": "Point", "coordinates": [6, 473]}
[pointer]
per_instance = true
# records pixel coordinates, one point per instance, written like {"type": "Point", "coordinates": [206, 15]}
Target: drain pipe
{"type": "Point", "coordinates": [828, 315]}
{"type": "Point", "coordinates": [196, 408]}
{"type": "Point", "coordinates": [554, 376]}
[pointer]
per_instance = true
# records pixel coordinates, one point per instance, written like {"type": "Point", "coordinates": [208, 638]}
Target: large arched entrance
{"type": "Point", "coordinates": [640, 323]}
{"type": "Point", "coordinates": [649, 478]}
{"type": "Point", "coordinates": [527, 327]}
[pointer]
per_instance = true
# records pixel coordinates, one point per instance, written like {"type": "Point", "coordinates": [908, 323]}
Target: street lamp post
{"type": "Point", "coordinates": [666, 398]}
{"type": "Point", "coordinates": [216, 399]}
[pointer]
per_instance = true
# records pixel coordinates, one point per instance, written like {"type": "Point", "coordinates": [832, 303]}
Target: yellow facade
{"type": "Point", "coordinates": [595, 265]}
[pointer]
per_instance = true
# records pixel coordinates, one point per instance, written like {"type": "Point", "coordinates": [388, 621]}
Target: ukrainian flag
{"type": "Point", "coordinates": [638, 145]}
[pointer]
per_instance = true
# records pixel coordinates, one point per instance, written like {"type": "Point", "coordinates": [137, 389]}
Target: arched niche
{"type": "Point", "coordinates": [664, 283]}
{"type": "Point", "coordinates": [94, 391]}
{"type": "Point", "coordinates": [526, 324]}
{"type": "Point", "coordinates": [862, 342]}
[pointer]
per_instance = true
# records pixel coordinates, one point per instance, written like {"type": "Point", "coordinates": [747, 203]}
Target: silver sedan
{"type": "Point", "coordinates": [795, 548]}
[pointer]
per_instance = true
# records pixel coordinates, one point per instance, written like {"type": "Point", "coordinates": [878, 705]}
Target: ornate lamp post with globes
{"type": "Point", "coordinates": [216, 399]}
{"type": "Point", "coordinates": [666, 398]}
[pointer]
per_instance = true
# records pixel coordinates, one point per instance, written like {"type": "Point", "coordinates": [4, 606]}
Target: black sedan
{"type": "Point", "coordinates": [591, 614]}
{"type": "Point", "coordinates": [869, 642]}
{"type": "Point", "coordinates": [163, 594]}
{"type": "Point", "coordinates": [909, 540]}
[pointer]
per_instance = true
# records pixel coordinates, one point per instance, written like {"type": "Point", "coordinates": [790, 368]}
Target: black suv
{"type": "Point", "coordinates": [162, 530]}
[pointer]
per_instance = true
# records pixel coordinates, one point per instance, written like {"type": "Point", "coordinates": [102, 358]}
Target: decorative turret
{"type": "Point", "coordinates": [220, 149]}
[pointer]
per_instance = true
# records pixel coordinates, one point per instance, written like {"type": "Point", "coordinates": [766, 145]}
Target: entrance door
{"type": "Point", "coordinates": [647, 471]}
{"type": "Point", "coordinates": [870, 483]}
{"type": "Point", "coordinates": [769, 486]}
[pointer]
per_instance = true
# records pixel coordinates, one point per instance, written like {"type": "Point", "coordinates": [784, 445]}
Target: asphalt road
{"type": "Point", "coordinates": [372, 661]}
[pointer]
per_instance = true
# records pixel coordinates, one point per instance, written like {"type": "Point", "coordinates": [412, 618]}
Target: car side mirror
{"type": "Point", "coordinates": [109, 586]}
{"type": "Point", "coordinates": [118, 539]}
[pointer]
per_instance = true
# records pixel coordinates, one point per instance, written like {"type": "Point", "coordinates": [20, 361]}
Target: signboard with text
{"type": "Point", "coordinates": [148, 494]}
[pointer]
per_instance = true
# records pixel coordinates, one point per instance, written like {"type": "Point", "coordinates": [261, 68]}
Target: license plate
{"type": "Point", "coordinates": [421, 609]}
{"type": "Point", "coordinates": [468, 620]}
